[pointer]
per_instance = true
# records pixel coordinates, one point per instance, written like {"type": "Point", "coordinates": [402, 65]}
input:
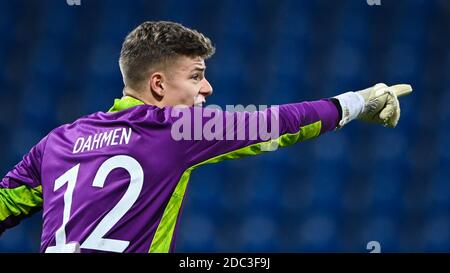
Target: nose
{"type": "Point", "coordinates": [206, 88]}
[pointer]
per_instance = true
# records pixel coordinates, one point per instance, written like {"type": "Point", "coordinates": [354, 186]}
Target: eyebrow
{"type": "Point", "coordinates": [198, 68]}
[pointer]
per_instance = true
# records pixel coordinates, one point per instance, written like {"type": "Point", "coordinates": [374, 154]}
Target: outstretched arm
{"type": "Point", "coordinates": [218, 135]}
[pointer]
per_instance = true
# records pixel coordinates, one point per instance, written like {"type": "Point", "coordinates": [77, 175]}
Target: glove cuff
{"type": "Point", "coordinates": [352, 105]}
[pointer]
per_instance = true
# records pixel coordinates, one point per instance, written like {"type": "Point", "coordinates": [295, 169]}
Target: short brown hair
{"type": "Point", "coordinates": [155, 43]}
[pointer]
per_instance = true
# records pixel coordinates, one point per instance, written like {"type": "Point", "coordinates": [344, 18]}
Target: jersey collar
{"type": "Point", "coordinates": [124, 103]}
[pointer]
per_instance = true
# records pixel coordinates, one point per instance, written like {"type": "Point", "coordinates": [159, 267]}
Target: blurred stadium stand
{"type": "Point", "coordinates": [333, 194]}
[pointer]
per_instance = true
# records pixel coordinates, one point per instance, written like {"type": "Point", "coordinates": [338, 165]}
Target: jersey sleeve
{"type": "Point", "coordinates": [21, 189]}
{"type": "Point", "coordinates": [251, 133]}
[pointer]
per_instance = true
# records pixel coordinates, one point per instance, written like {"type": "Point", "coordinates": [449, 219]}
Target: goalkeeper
{"type": "Point", "coordinates": [115, 181]}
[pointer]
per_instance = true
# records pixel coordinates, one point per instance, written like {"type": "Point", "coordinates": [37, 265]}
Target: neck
{"type": "Point", "coordinates": [141, 96]}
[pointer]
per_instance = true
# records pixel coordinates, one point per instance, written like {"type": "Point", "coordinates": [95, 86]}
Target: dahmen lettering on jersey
{"type": "Point", "coordinates": [115, 181]}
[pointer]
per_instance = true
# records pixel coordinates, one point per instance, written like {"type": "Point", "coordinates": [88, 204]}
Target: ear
{"type": "Point", "coordinates": [157, 84]}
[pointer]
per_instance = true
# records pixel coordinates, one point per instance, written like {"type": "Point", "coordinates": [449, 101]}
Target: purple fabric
{"type": "Point", "coordinates": [163, 161]}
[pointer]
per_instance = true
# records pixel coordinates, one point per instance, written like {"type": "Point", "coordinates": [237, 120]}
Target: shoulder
{"type": "Point", "coordinates": [141, 114]}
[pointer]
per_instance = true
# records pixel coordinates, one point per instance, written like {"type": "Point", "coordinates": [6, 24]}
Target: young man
{"type": "Point", "coordinates": [116, 181]}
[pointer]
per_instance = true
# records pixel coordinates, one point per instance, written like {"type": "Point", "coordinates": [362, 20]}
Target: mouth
{"type": "Point", "coordinates": [199, 101]}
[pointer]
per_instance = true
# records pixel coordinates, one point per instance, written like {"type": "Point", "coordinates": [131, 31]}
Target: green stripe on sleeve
{"type": "Point", "coordinates": [164, 233]}
{"type": "Point", "coordinates": [19, 201]}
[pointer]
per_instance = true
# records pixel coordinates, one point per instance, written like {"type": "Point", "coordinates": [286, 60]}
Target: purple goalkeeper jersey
{"type": "Point", "coordinates": [115, 181]}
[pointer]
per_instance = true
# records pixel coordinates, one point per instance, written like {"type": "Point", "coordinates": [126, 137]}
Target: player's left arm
{"type": "Point", "coordinates": [21, 189]}
{"type": "Point", "coordinates": [291, 123]}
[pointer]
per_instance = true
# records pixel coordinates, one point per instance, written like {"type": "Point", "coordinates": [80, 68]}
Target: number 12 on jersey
{"type": "Point", "coordinates": [95, 239]}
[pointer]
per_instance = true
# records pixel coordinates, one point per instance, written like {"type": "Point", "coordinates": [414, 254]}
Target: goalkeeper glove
{"type": "Point", "coordinates": [378, 104]}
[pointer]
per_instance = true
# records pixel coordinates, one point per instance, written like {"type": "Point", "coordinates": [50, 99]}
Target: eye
{"type": "Point", "coordinates": [195, 77]}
